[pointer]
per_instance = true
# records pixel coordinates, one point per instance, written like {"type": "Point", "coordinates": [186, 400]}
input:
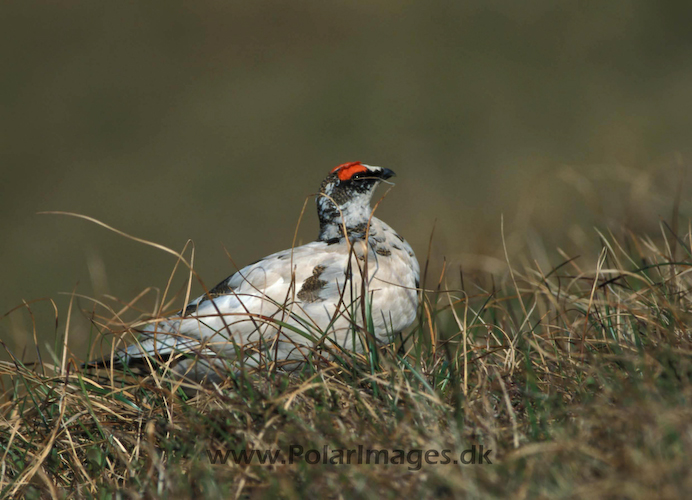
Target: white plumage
{"type": "Point", "coordinates": [297, 300]}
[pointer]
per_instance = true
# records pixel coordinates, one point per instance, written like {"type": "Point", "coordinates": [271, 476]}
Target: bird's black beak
{"type": "Point", "coordinates": [386, 174]}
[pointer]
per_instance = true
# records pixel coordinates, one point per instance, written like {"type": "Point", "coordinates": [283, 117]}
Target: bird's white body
{"type": "Point", "coordinates": [297, 301]}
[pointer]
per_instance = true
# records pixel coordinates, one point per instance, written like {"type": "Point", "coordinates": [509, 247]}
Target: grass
{"type": "Point", "coordinates": [576, 380]}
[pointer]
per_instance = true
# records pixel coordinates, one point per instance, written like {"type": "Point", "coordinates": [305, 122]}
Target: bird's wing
{"type": "Point", "coordinates": [248, 302]}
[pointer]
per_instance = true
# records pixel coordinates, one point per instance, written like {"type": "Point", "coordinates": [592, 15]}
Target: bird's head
{"type": "Point", "coordinates": [351, 182]}
{"type": "Point", "coordinates": [346, 192]}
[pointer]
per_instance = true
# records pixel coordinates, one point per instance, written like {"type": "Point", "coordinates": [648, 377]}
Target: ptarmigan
{"type": "Point", "coordinates": [300, 300]}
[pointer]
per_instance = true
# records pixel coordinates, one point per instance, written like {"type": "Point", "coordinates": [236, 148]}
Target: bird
{"type": "Point", "coordinates": [357, 282]}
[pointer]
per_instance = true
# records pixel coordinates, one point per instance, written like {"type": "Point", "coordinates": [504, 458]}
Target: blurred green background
{"type": "Point", "coordinates": [213, 120]}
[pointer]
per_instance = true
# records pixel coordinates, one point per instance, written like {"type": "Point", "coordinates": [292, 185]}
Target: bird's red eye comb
{"type": "Point", "coordinates": [347, 170]}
